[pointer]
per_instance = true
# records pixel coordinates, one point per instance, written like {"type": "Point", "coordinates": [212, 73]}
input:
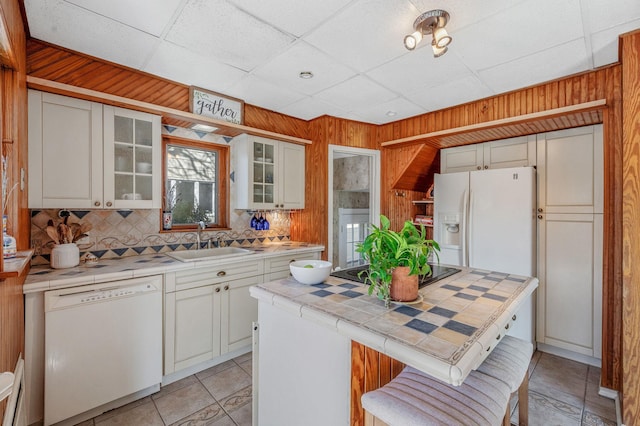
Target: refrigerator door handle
{"type": "Point", "coordinates": [464, 242]}
{"type": "Point", "coordinates": [470, 232]}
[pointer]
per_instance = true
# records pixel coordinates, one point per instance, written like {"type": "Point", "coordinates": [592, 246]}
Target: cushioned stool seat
{"type": "Point", "coordinates": [509, 362]}
{"type": "Point", "coordinates": [414, 398]}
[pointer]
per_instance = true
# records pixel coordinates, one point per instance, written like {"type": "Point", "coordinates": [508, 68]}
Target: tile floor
{"type": "Point", "coordinates": [561, 392]}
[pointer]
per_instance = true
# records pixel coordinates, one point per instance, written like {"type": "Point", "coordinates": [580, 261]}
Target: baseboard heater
{"type": "Point", "coordinates": [15, 414]}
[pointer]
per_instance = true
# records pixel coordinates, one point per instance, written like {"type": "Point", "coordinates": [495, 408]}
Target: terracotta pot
{"type": "Point", "coordinates": [404, 287]}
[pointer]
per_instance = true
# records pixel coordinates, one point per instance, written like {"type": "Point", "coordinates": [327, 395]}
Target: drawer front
{"type": "Point", "coordinates": [281, 263]}
{"type": "Point", "coordinates": [218, 274]}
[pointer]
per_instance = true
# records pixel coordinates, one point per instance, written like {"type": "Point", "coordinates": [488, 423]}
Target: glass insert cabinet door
{"type": "Point", "coordinates": [134, 148]}
{"type": "Point", "coordinates": [263, 173]}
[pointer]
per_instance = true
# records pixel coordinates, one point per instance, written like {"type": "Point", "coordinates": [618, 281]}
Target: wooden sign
{"type": "Point", "coordinates": [215, 105]}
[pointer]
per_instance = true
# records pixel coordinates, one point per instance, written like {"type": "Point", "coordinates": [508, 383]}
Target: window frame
{"type": "Point", "coordinates": [222, 175]}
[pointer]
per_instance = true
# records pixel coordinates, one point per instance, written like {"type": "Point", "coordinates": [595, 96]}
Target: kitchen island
{"type": "Point", "coordinates": [302, 350]}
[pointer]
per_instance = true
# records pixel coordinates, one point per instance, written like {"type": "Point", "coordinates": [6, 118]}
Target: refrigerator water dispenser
{"type": "Point", "coordinates": [449, 229]}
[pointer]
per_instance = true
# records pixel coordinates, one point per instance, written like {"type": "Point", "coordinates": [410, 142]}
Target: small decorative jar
{"type": "Point", "coordinates": [9, 248]}
{"type": "Point", "coordinates": [167, 220]}
{"type": "Point", "coordinates": [65, 256]}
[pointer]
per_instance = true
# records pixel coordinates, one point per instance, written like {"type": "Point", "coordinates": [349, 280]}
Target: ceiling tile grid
{"type": "Point", "coordinates": [256, 49]}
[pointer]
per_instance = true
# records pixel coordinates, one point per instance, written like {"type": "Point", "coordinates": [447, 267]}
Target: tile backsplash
{"type": "Point", "coordinates": [120, 233]}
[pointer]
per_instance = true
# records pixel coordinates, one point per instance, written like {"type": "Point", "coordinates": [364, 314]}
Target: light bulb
{"type": "Point", "coordinates": [441, 37]}
{"type": "Point", "coordinates": [412, 40]}
{"type": "Point", "coordinates": [438, 51]}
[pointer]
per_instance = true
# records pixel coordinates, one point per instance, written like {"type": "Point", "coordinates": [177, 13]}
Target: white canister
{"type": "Point", "coordinates": [65, 256]}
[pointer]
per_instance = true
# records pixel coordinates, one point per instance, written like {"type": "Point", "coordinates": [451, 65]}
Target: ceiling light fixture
{"type": "Point", "coordinates": [305, 75]}
{"type": "Point", "coordinates": [432, 22]}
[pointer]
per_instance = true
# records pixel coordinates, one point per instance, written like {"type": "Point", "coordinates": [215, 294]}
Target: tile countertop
{"type": "Point", "coordinates": [449, 333]}
{"type": "Point", "coordinates": [42, 278]}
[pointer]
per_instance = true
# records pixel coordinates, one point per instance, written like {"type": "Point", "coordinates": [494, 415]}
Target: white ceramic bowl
{"type": "Point", "coordinates": [320, 271]}
{"type": "Point", "coordinates": [143, 167]}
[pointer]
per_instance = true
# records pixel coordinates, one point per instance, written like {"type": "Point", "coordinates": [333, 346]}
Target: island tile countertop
{"type": "Point", "coordinates": [448, 333]}
{"type": "Point", "coordinates": [43, 277]}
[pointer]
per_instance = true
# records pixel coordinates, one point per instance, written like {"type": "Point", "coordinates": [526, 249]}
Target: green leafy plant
{"type": "Point", "coordinates": [385, 249]}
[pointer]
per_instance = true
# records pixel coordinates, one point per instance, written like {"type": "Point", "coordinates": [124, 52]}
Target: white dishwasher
{"type": "Point", "coordinates": [102, 342]}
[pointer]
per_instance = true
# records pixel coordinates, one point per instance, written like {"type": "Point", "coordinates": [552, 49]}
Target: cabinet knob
{"type": "Point", "coordinates": [97, 204]}
{"type": "Point", "coordinates": [217, 289]}
{"type": "Point", "coordinates": [479, 168]}
{"type": "Point", "coordinates": [109, 203]}
{"type": "Point", "coordinates": [539, 216]}
{"type": "Point", "coordinates": [486, 167]}
{"type": "Point", "coordinates": [514, 317]}
{"type": "Point", "coordinates": [540, 210]}
{"type": "Point", "coordinates": [221, 274]}
{"type": "Point", "coordinates": [226, 287]}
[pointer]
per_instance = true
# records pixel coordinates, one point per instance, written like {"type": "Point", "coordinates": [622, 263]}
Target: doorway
{"type": "Point", "coordinates": [354, 201]}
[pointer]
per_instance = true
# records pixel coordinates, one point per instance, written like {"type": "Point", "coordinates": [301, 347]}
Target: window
{"type": "Point", "coordinates": [195, 183]}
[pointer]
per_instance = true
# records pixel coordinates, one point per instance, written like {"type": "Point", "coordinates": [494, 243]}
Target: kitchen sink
{"type": "Point", "coordinates": [208, 254]}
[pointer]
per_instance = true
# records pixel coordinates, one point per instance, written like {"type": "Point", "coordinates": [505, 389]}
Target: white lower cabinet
{"type": "Point", "coordinates": [277, 268]}
{"type": "Point", "coordinates": [211, 319]}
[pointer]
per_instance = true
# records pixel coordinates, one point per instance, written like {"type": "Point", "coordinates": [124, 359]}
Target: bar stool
{"type": "Point", "coordinates": [509, 362]}
{"type": "Point", "coordinates": [415, 399]}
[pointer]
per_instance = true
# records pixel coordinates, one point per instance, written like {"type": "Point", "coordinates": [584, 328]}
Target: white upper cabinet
{"type": "Point", "coordinates": [513, 152]}
{"type": "Point", "coordinates": [570, 171]}
{"type": "Point", "coordinates": [87, 155]}
{"type": "Point", "coordinates": [268, 174]}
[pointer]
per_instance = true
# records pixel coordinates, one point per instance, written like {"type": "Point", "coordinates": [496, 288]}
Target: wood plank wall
{"type": "Point", "coordinates": [13, 123]}
{"type": "Point", "coordinates": [631, 228]}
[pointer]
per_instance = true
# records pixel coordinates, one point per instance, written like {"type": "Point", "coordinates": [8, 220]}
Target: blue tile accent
{"type": "Point", "coordinates": [466, 296]}
{"type": "Point", "coordinates": [493, 279]}
{"type": "Point", "coordinates": [139, 250]}
{"type": "Point", "coordinates": [423, 326]}
{"type": "Point", "coordinates": [227, 139]}
{"type": "Point", "coordinates": [188, 245]}
{"type": "Point", "coordinates": [80, 213]}
{"type": "Point", "coordinates": [251, 240]}
{"type": "Point", "coordinates": [232, 176]}
{"type": "Point", "coordinates": [321, 285]}
{"type": "Point", "coordinates": [348, 285]}
{"type": "Point", "coordinates": [98, 253]}
{"type": "Point", "coordinates": [321, 293]}
{"type": "Point", "coordinates": [72, 273]}
{"type": "Point", "coordinates": [169, 261]}
{"type": "Point", "coordinates": [261, 240]}
{"type": "Point", "coordinates": [478, 288]}
{"type": "Point", "coordinates": [42, 272]}
{"type": "Point", "coordinates": [143, 261]}
{"type": "Point", "coordinates": [124, 213]}
{"type": "Point", "coordinates": [518, 280]}
{"type": "Point", "coordinates": [34, 212]}
{"type": "Point", "coordinates": [494, 297]}
{"type": "Point", "coordinates": [120, 251]}
{"type": "Point", "coordinates": [97, 266]}
{"type": "Point", "coordinates": [351, 293]}
{"type": "Point", "coordinates": [173, 247]}
{"type": "Point", "coordinates": [169, 129]}
{"type": "Point", "coordinates": [451, 287]}
{"type": "Point", "coordinates": [157, 248]}
{"type": "Point", "coordinates": [408, 310]}
{"type": "Point", "coordinates": [475, 271]}
{"type": "Point", "coordinates": [459, 327]}
{"type": "Point", "coordinates": [158, 257]}
{"type": "Point", "coordinates": [442, 312]}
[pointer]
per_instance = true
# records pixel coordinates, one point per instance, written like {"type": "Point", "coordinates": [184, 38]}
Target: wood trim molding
{"type": "Point", "coordinates": [224, 127]}
{"type": "Point", "coordinates": [557, 118]}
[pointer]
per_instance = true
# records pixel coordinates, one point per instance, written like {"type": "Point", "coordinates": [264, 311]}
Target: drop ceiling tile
{"type": "Point", "coordinates": [526, 28]}
{"type": "Point", "coordinates": [550, 64]}
{"type": "Point", "coordinates": [221, 30]}
{"type": "Point", "coordinates": [293, 16]}
{"type": "Point", "coordinates": [309, 108]}
{"type": "Point", "coordinates": [181, 65]}
{"type": "Point", "coordinates": [605, 14]}
{"type": "Point", "coordinates": [256, 91]}
{"type": "Point", "coordinates": [150, 16]}
{"type": "Point", "coordinates": [367, 33]}
{"type": "Point", "coordinates": [70, 26]}
{"type": "Point", "coordinates": [355, 94]}
{"type": "Point", "coordinates": [604, 44]}
{"type": "Point", "coordinates": [285, 68]}
{"type": "Point", "coordinates": [417, 69]}
{"type": "Point", "coordinates": [452, 93]}
{"type": "Point", "coordinates": [399, 106]}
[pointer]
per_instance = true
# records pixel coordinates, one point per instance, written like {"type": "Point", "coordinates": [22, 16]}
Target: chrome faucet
{"type": "Point", "coordinates": [201, 227]}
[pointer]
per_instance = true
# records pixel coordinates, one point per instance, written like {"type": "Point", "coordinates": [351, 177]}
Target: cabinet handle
{"type": "Point", "coordinates": [506, 327]}
{"type": "Point", "coordinates": [486, 167]}
{"type": "Point", "coordinates": [479, 168]}
{"type": "Point", "coordinates": [226, 287]}
{"type": "Point", "coordinates": [221, 274]}
{"type": "Point", "coordinates": [109, 203]}
{"type": "Point", "coordinates": [489, 348]}
{"type": "Point", "coordinates": [539, 216]}
{"type": "Point", "coordinates": [498, 337]}
{"type": "Point", "coordinates": [292, 260]}
{"type": "Point", "coordinates": [217, 289]}
{"type": "Point", "coordinates": [514, 317]}
{"type": "Point", "coordinates": [540, 210]}
{"type": "Point", "coordinates": [97, 204]}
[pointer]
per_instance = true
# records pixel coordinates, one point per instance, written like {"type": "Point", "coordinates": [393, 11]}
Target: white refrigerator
{"type": "Point", "coordinates": [487, 220]}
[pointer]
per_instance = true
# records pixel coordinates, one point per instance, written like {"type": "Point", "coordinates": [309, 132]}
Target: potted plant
{"type": "Point", "coordinates": [396, 259]}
